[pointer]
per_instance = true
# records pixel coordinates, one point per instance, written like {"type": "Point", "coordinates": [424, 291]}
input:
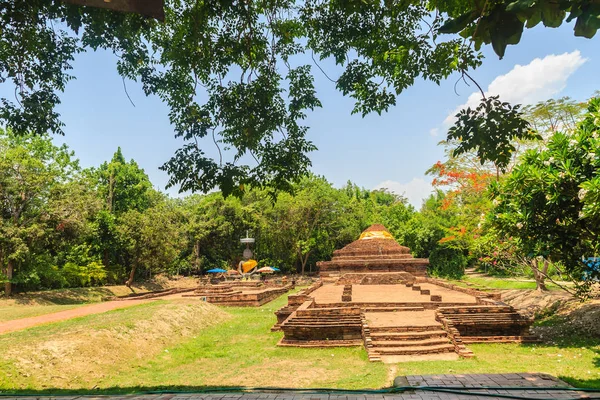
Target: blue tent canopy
{"type": "Point", "coordinates": [216, 271]}
{"type": "Point", "coordinates": [276, 269]}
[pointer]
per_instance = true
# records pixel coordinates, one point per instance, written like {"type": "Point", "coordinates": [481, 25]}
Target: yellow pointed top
{"type": "Point", "coordinates": [375, 235]}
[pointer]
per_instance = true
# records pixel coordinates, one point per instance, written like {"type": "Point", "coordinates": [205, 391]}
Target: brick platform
{"type": "Point", "coordinates": [240, 294]}
{"type": "Point", "coordinates": [539, 386]}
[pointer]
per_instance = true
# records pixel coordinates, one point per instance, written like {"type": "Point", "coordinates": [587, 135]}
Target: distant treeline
{"type": "Point", "coordinates": [64, 226]}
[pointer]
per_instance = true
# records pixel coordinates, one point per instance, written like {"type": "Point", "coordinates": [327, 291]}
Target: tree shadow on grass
{"type": "Point", "coordinates": [86, 295]}
{"type": "Point", "coordinates": [63, 297]}
{"type": "Point", "coordinates": [145, 390]}
{"type": "Point", "coordinates": [572, 339]}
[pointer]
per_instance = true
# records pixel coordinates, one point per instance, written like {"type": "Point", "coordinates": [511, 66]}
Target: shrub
{"type": "Point", "coordinates": [84, 275]}
{"type": "Point", "coordinates": [447, 262]}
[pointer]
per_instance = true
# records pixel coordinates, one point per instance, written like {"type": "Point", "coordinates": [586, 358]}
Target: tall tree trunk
{"type": "Point", "coordinates": [105, 258]}
{"type": "Point", "coordinates": [131, 276]}
{"type": "Point", "coordinates": [540, 276]}
{"type": "Point", "coordinates": [10, 267]}
{"type": "Point", "coordinates": [304, 260]}
{"type": "Point", "coordinates": [197, 255]}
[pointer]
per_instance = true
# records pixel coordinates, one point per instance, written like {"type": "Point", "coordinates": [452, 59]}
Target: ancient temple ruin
{"type": "Point", "coordinates": [373, 293]}
{"type": "Point", "coordinates": [375, 251]}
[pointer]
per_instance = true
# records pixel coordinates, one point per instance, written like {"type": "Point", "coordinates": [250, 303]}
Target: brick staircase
{"type": "Point", "coordinates": [409, 331]}
{"type": "Point", "coordinates": [407, 340]}
{"type": "Point", "coordinates": [323, 327]}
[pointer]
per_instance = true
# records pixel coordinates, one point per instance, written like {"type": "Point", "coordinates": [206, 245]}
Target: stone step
{"type": "Point", "coordinates": [393, 309]}
{"type": "Point", "coordinates": [410, 343]}
{"type": "Point", "coordinates": [340, 318]}
{"type": "Point", "coordinates": [478, 309]}
{"type": "Point", "coordinates": [396, 336]}
{"type": "Point", "coordinates": [484, 315]}
{"type": "Point", "coordinates": [320, 325]}
{"type": "Point", "coordinates": [311, 320]}
{"type": "Point", "coordinates": [491, 322]}
{"type": "Point", "coordinates": [400, 351]}
{"type": "Point", "coordinates": [500, 339]}
{"type": "Point", "coordinates": [405, 328]}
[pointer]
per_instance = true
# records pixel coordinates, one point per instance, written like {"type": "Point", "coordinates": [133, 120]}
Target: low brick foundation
{"type": "Point", "coordinates": [226, 294]}
{"type": "Point", "coordinates": [385, 278]}
{"type": "Point", "coordinates": [294, 301]}
{"type": "Point", "coordinates": [500, 323]}
{"type": "Point", "coordinates": [325, 324]}
{"type": "Point", "coordinates": [306, 323]}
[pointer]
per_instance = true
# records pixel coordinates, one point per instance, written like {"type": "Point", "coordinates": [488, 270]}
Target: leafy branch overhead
{"type": "Point", "coordinates": [238, 76]}
{"type": "Point", "coordinates": [502, 22]}
{"type": "Point", "coordinates": [491, 130]}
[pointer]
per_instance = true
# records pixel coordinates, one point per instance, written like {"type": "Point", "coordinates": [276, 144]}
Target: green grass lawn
{"type": "Point", "coordinates": [493, 283]}
{"type": "Point", "coordinates": [191, 345]}
{"type": "Point", "coordinates": [575, 361]}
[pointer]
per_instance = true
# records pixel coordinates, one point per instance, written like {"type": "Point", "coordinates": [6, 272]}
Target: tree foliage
{"type": "Point", "coordinates": [549, 201]}
{"type": "Point", "coordinates": [491, 130]}
{"type": "Point", "coordinates": [502, 22]}
{"type": "Point", "coordinates": [31, 171]}
{"type": "Point", "coordinates": [234, 74]}
{"type": "Point", "coordinates": [107, 225]}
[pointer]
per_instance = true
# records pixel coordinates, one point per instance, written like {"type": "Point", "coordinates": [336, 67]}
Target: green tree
{"type": "Point", "coordinates": [549, 201]}
{"type": "Point", "coordinates": [152, 239]}
{"type": "Point", "coordinates": [214, 226]}
{"type": "Point", "coordinates": [554, 115]}
{"type": "Point", "coordinates": [31, 167]}
{"type": "Point", "coordinates": [124, 185]}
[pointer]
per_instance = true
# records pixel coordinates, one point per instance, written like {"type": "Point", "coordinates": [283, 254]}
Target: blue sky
{"type": "Point", "coordinates": [392, 150]}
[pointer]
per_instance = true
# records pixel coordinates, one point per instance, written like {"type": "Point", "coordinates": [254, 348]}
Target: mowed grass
{"type": "Point", "coordinates": [190, 345]}
{"type": "Point", "coordinates": [493, 283]}
{"type": "Point", "coordinates": [126, 350]}
{"type": "Point", "coordinates": [576, 361]}
{"type": "Point", "coordinates": [242, 352]}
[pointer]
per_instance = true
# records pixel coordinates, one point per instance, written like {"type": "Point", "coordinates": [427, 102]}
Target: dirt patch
{"type": "Point", "coordinates": [294, 373]}
{"type": "Point", "coordinates": [82, 354]}
{"type": "Point", "coordinates": [559, 315]}
{"type": "Point", "coordinates": [538, 304]}
{"type": "Point", "coordinates": [573, 320]}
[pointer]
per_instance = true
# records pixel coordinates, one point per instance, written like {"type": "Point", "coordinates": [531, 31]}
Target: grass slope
{"type": "Point", "coordinates": [242, 352]}
{"type": "Point", "coordinates": [189, 345]}
{"type": "Point", "coordinates": [485, 283]}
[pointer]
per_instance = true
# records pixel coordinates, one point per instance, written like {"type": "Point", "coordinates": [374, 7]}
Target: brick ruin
{"type": "Point", "coordinates": [373, 293]}
{"type": "Point", "coordinates": [375, 251]}
{"type": "Point", "coordinates": [240, 293]}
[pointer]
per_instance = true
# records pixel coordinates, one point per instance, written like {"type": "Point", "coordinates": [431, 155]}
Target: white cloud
{"type": "Point", "coordinates": [415, 191]}
{"type": "Point", "coordinates": [539, 80]}
{"type": "Point", "coordinates": [434, 132]}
